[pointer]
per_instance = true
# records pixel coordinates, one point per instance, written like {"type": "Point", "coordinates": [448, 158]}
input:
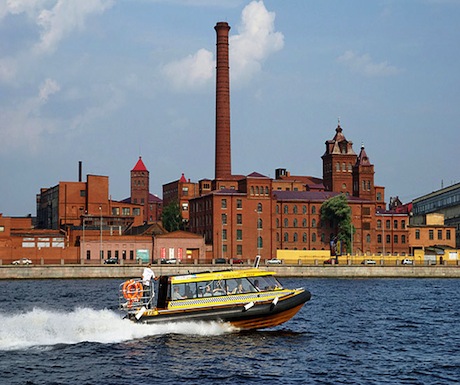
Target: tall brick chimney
{"type": "Point", "coordinates": [223, 149]}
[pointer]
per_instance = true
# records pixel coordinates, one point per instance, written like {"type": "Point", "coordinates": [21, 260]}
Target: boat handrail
{"type": "Point", "coordinates": [133, 295]}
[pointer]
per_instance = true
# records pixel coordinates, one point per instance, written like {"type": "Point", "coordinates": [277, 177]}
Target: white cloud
{"type": "Point", "coordinates": [255, 41]}
{"type": "Point", "coordinates": [48, 88]}
{"type": "Point", "coordinates": [364, 65]}
{"type": "Point", "coordinates": [55, 18]}
{"type": "Point", "coordinates": [194, 70]}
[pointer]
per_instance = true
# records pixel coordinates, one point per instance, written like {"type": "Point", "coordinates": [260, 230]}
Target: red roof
{"type": "Point", "coordinates": [182, 179]}
{"type": "Point", "coordinates": [140, 166]}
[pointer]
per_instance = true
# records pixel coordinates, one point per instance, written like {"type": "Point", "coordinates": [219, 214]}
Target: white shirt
{"type": "Point", "coordinates": [147, 275]}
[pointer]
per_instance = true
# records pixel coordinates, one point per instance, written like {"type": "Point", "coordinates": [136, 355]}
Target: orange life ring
{"type": "Point", "coordinates": [132, 290]}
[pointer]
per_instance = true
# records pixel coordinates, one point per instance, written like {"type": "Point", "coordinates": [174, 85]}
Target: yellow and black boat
{"type": "Point", "coordinates": [247, 299]}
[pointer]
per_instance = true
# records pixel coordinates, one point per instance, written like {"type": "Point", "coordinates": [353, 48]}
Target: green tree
{"type": "Point", "coordinates": [172, 217]}
{"type": "Point", "coordinates": [337, 212]}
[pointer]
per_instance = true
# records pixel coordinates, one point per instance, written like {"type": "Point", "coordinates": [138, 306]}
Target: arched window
{"type": "Point", "coordinates": [259, 207]}
{"type": "Point", "coordinates": [313, 237]}
{"type": "Point", "coordinates": [304, 237]}
{"type": "Point", "coordinates": [257, 190]}
{"type": "Point", "coordinates": [304, 222]}
{"type": "Point", "coordinates": [296, 237]}
{"type": "Point", "coordinates": [286, 237]}
{"type": "Point", "coordinates": [286, 209]}
{"type": "Point", "coordinates": [304, 209]}
{"type": "Point", "coordinates": [252, 190]}
{"type": "Point", "coordinates": [277, 222]}
{"type": "Point", "coordinates": [286, 222]}
{"type": "Point", "coordinates": [368, 238]}
{"type": "Point", "coordinates": [337, 166]}
{"type": "Point", "coordinates": [266, 190]}
{"type": "Point", "coordinates": [294, 209]}
{"type": "Point", "coordinates": [313, 222]}
{"type": "Point", "coordinates": [294, 223]}
{"type": "Point", "coordinates": [259, 223]}
{"type": "Point", "coordinates": [277, 209]}
{"type": "Point", "coordinates": [313, 209]}
{"type": "Point", "coordinates": [260, 242]}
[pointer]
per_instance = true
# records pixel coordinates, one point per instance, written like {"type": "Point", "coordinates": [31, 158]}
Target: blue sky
{"type": "Point", "coordinates": [107, 81]}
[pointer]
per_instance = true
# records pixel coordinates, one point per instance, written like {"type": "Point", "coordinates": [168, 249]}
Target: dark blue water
{"type": "Point", "coordinates": [375, 331]}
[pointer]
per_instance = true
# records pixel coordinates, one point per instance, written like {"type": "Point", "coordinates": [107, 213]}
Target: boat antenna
{"type": "Point", "coordinates": [257, 261]}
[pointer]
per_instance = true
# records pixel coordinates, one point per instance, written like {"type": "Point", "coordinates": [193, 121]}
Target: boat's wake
{"type": "Point", "coordinates": [40, 327]}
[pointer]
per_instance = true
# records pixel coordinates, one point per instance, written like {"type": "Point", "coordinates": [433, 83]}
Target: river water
{"type": "Point", "coordinates": [353, 331]}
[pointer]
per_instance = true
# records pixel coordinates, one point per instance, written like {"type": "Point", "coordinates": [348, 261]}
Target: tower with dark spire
{"type": "Point", "coordinates": [363, 177]}
{"type": "Point", "coordinates": [338, 161]}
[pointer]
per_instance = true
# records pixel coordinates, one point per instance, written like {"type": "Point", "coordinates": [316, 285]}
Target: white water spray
{"type": "Point", "coordinates": [40, 327]}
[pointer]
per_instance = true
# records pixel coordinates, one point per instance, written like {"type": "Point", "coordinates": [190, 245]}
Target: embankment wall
{"type": "Point", "coordinates": [122, 272]}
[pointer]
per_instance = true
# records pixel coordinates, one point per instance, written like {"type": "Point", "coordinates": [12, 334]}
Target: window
{"type": "Point", "coordinates": [184, 206]}
{"type": "Point", "coordinates": [313, 209]}
{"type": "Point", "coordinates": [313, 237]}
{"type": "Point", "coordinates": [403, 224]}
{"type": "Point", "coordinates": [296, 237]}
{"type": "Point", "coordinates": [417, 234]}
{"type": "Point", "coordinates": [403, 239]}
{"type": "Point", "coordinates": [379, 238]}
{"type": "Point", "coordinates": [259, 223]}
{"type": "Point", "coordinates": [387, 224]}
{"type": "Point", "coordinates": [286, 209]}
{"type": "Point", "coordinates": [239, 235]}
{"type": "Point", "coordinates": [277, 222]}
{"type": "Point", "coordinates": [395, 224]}
{"type": "Point", "coordinates": [294, 209]}
{"type": "Point", "coordinates": [379, 224]}
{"type": "Point", "coordinates": [223, 203]}
{"type": "Point", "coordinates": [224, 219]}
{"type": "Point", "coordinates": [313, 223]}
{"type": "Point", "coordinates": [88, 254]}
{"type": "Point", "coordinates": [224, 234]}
{"type": "Point", "coordinates": [431, 234]}
{"type": "Point", "coordinates": [366, 211]}
{"type": "Point", "coordinates": [379, 196]}
{"type": "Point", "coordinates": [395, 238]}
{"type": "Point", "coordinates": [239, 204]}
{"type": "Point", "coordinates": [286, 222]}
{"type": "Point", "coordinates": [2, 229]}
{"type": "Point", "coordinates": [126, 211]}
{"type": "Point", "coordinates": [259, 207]}
{"type": "Point", "coordinates": [304, 209]}
{"type": "Point", "coordinates": [304, 237]}
{"type": "Point", "coordinates": [439, 234]}
{"type": "Point", "coordinates": [239, 219]}
{"type": "Point", "coordinates": [368, 238]}
{"type": "Point", "coordinates": [82, 193]}
{"type": "Point", "coordinates": [304, 222]}
{"type": "Point", "coordinates": [239, 249]}
{"type": "Point", "coordinates": [131, 254]}
{"type": "Point", "coordinates": [286, 237]}
{"type": "Point", "coordinates": [260, 242]}
{"type": "Point", "coordinates": [388, 239]}
{"type": "Point", "coordinates": [136, 211]}
{"type": "Point", "coordinates": [448, 234]}
{"type": "Point", "coordinates": [366, 226]}
{"type": "Point", "coordinates": [295, 222]}
{"type": "Point", "coordinates": [185, 191]}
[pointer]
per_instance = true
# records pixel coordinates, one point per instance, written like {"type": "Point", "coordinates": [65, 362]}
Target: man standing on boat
{"type": "Point", "coordinates": [148, 276]}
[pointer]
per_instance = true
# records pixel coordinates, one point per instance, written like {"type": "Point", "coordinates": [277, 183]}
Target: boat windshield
{"type": "Point", "coordinates": [213, 288]}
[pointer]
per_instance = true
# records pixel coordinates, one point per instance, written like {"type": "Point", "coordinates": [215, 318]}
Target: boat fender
{"type": "Point", "coordinates": [248, 306]}
{"type": "Point", "coordinates": [274, 302]}
{"type": "Point", "coordinates": [140, 313]}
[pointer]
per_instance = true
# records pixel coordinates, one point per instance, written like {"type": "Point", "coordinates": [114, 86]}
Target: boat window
{"type": "Point", "coordinates": [183, 291]}
{"type": "Point", "coordinates": [265, 283]}
{"type": "Point", "coordinates": [235, 286]}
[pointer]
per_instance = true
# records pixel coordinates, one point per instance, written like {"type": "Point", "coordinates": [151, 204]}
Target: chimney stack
{"type": "Point", "coordinates": [223, 165]}
{"type": "Point", "coordinates": [79, 170]}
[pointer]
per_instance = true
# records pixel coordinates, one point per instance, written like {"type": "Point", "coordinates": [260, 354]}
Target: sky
{"type": "Point", "coordinates": [106, 81]}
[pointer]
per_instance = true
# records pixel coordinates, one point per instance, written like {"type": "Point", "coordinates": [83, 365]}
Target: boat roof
{"type": "Point", "coordinates": [217, 275]}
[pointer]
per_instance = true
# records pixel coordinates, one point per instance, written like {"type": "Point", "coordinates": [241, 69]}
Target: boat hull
{"type": "Point", "coordinates": [243, 316]}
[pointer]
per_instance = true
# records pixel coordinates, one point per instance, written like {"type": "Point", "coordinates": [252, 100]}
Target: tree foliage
{"type": "Point", "coordinates": [172, 217]}
{"type": "Point", "coordinates": [337, 213]}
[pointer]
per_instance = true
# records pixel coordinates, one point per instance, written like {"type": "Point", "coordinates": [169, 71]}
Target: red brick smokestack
{"type": "Point", "coordinates": [223, 149]}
